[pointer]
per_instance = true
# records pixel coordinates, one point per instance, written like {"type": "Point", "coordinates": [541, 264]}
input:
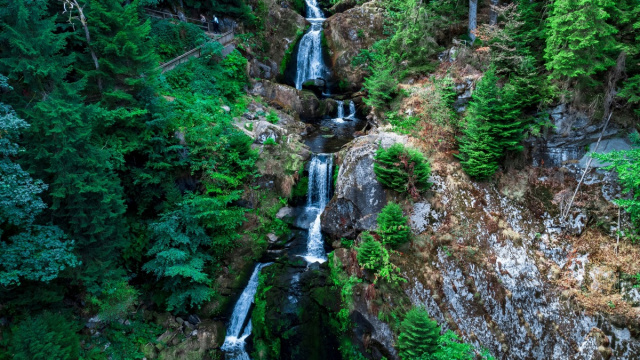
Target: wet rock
{"type": "Point", "coordinates": [264, 130]}
{"type": "Point", "coordinates": [358, 197]}
{"type": "Point", "coordinates": [210, 335]}
{"type": "Point", "coordinates": [349, 32]}
{"type": "Point", "coordinates": [284, 212]}
{"type": "Point", "coordinates": [194, 319]}
{"type": "Point", "coordinates": [303, 102]}
{"type": "Point", "coordinates": [606, 146]}
{"type": "Point", "coordinates": [282, 24]}
{"type": "Point", "coordinates": [272, 238]}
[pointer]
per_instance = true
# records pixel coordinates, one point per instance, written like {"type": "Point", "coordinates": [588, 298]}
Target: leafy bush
{"type": "Point", "coordinates": [402, 169]}
{"type": "Point", "coordinates": [419, 335]}
{"type": "Point", "coordinates": [370, 252]}
{"type": "Point", "coordinates": [627, 165]}
{"type": "Point", "coordinates": [392, 225]}
{"type": "Point", "coordinates": [172, 39]}
{"type": "Point", "coordinates": [44, 337]}
{"type": "Point", "coordinates": [272, 117]}
{"type": "Point", "coordinates": [270, 141]}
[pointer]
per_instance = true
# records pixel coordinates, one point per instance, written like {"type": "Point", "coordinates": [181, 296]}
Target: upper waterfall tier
{"type": "Point", "coordinates": [313, 10]}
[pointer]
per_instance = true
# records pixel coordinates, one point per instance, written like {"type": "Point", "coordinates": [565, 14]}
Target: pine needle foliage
{"type": "Point", "coordinates": [419, 335]}
{"type": "Point", "coordinates": [402, 169]}
{"type": "Point", "coordinates": [44, 337]}
{"type": "Point", "coordinates": [369, 252]}
{"type": "Point", "coordinates": [495, 125]}
{"type": "Point", "coordinates": [392, 225]}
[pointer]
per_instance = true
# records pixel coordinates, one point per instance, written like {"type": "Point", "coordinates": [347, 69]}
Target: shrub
{"type": "Point", "coordinates": [419, 335]}
{"type": "Point", "coordinates": [272, 117]}
{"type": "Point", "coordinates": [392, 225]}
{"type": "Point", "coordinates": [270, 141]}
{"type": "Point", "coordinates": [47, 336]}
{"type": "Point", "coordinates": [402, 169]}
{"type": "Point", "coordinates": [370, 252]}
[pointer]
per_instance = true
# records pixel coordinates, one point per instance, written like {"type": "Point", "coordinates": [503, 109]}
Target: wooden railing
{"type": "Point", "coordinates": [159, 14]}
{"type": "Point", "coordinates": [225, 39]}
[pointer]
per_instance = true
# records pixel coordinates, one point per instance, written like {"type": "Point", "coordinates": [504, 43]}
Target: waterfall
{"type": "Point", "coordinates": [235, 340]}
{"type": "Point", "coordinates": [310, 62]}
{"type": "Point", "coordinates": [340, 109]}
{"type": "Point", "coordinates": [352, 110]}
{"type": "Point", "coordinates": [319, 193]}
{"type": "Point", "coordinates": [313, 10]}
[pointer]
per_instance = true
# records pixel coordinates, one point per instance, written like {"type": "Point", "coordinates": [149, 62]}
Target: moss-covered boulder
{"type": "Point", "coordinates": [347, 33]}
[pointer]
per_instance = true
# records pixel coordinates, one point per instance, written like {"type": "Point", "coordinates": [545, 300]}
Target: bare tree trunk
{"type": "Point", "coordinates": [85, 26]}
{"type": "Point", "coordinates": [493, 14]}
{"type": "Point", "coordinates": [473, 14]}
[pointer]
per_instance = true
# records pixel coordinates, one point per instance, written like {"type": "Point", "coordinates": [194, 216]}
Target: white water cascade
{"type": "Point", "coordinates": [310, 62]}
{"type": "Point", "coordinates": [352, 111]}
{"type": "Point", "coordinates": [234, 342]}
{"type": "Point", "coordinates": [319, 193]}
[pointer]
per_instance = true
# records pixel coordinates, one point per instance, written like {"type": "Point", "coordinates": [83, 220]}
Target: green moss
{"type": "Point", "coordinates": [301, 188]}
{"type": "Point", "coordinates": [289, 52]}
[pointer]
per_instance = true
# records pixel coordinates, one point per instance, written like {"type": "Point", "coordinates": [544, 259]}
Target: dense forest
{"type": "Point", "coordinates": [484, 153]}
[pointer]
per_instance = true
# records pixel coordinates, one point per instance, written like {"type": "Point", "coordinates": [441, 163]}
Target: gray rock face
{"type": "Point", "coordinates": [569, 140]}
{"type": "Point", "coordinates": [606, 146]}
{"type": "Point", "coordinates": [305, 103]}
{"type": "Point", "coordinates": [265, 130]}
{"type": "Point", "coordinates": [359, 196]}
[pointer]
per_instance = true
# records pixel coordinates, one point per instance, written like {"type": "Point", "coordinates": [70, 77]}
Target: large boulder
{"type": "Point", "coordinates": [347, 34]}
{"type": "Point", "coordinates": [358, 196]}
{"type": "Point", "coordinates": [303, 102]}
{"type": "Point", "coordinates": [282, 23]}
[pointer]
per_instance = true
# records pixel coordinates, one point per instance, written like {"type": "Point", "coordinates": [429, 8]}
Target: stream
{"type": "Point", "coordinates": [307, 246]}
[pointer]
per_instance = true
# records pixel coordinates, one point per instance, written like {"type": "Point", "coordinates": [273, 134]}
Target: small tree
{"type": "Point", "coordinates": [370, 252]}
{"type": "Point", "coordinates": [402, 169]}
{"type": "Point", "coordinates": [47, 336]}
{"type": "Point", "coordinates": [419, 335]}
{"type": "Point", "coordinates": [392, 225]}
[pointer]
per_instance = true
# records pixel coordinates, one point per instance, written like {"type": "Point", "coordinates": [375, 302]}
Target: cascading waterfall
{"type": "Point", "coordinates": [352, 110]}
{"type": "Point", "coordinates": [319, 193]}
{"type": "Point", "coordinates": [310, 62]}
{"type": "Point", "coordinates": [234, 342]}
{"type": "Point", "coordinates": [340, 109]}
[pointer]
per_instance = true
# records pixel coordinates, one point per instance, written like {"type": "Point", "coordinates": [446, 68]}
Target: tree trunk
{"type": "Point", "coordinates": [473, 14]}
{"type": "Point", "coordinates": [85, 26]}
{"type": "Point", "coordinates": [493, 15]}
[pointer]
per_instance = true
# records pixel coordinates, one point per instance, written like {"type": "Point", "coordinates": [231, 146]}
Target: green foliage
{"type": "Point", "coordinates": [120, 341]}
{"type": "Point", "coordinates": [270, 142]}
{"type": "Point", "coordinates": [369, 252]}
{"type": "Point", "coordinates": [580, 39]}
{"type": "Point", "coordinates": [381, 86]}
{"type": "Point", "coordinates": [392, 225]}
{"type": "Point", "coordinates": [273, 117]}
{"type": "Point", "coordinates": [116, 301]}
{"type": "Point", "coordinates": [30, 251]}
{"type": "Point", "coordinates": [172, 39]}
{"type": "Point", "coordinates": [419, 335]}
{"type": "Point", "coordinates": [43, 337]}
{"type": "Point", "coordinates": [494, 127]}
{"type": "Point", "coordinates": [627, 165]}
{"type": "Point", "coordinates": [402, 169]}
{"type": "Point", "coordinates": [301, 188]}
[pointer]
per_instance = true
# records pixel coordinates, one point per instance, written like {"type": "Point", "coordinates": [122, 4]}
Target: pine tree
{"type": "Point", "coordinates": [494, 127]}
{"type": "Point", "coordinates": [418, 335]}
{"type": "Point", "coordinates": [402, 169]}
{"type": "Point", "coordinates": [179, 256]}
{"type": "Point", "coordinates": [31, 48]}
{"type": "Point", "coordinates": [44, 337]}
{"type": "Point", "coordinates": [580, 40]}
{"type": "Point", "coordinates": [369, 252]}
{"type": "Point", "coordinates": [29, 251]}
{"type": "Point", "coordinates": [392, 225]}
{"type": "Point", "coordinates": [85, 196]}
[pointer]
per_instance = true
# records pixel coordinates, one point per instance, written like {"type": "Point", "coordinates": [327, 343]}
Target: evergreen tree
{"type": "Point", "coordinates": [44, 337]}
{"type": "Point", "coordinates": [418, 335]}
{"type": "Point", "coordinates": [31, 49]}
{"type": "Point", "coordinates": [392, 225]}
{"type": "Point", "coordinates": [29, 251]}
{"type": "Point", "coordinates": [402, 169]}
{"type": "Point", "coordinates": [369, 252]}
{"type": "Point", "coordinates": [580, 40]}
{"type": "Point", "coordinates": [179, 254]}
{"type": "Point", "coordinates": [494, 126]}
{"type": "Point", "coordinates": [85, 196]}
